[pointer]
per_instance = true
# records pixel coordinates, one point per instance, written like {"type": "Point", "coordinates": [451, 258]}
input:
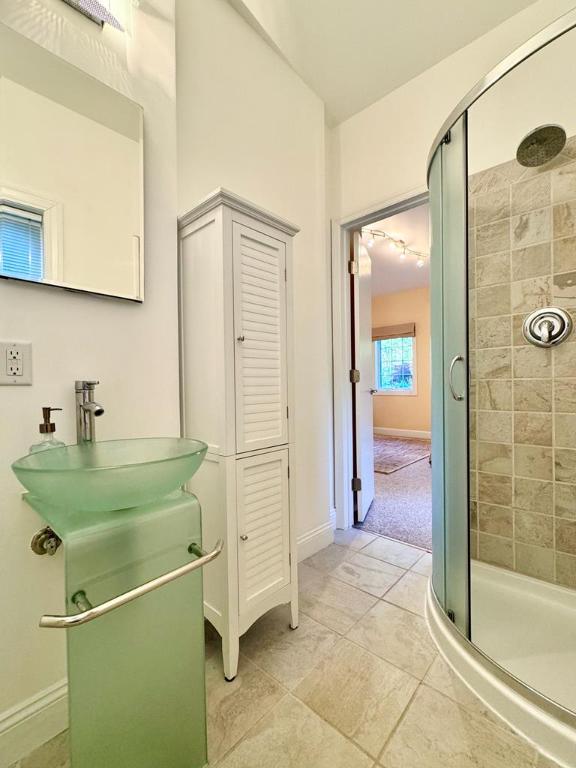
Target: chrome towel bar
{"type": "Point", "coordinates": [89, 612]}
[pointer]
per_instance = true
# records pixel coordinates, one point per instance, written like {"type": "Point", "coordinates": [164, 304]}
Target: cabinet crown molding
{"type": "Point", "coordinates": [222, 196]}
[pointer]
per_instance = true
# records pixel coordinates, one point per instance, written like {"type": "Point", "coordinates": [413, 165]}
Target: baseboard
{"type": "Point", "coordinates": [402, 432]}
{"type": "Point", "coordinates": [316, 539]}
{"type": "Point", "coordinates": [333, 517]}
{"type": "Point", "coordinates": [32, 723]}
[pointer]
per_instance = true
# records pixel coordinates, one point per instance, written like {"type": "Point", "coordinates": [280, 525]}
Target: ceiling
{"type": "Point", "coordinates": [389, 273]}
{"type": "Point", "coordinates": [354, 52]}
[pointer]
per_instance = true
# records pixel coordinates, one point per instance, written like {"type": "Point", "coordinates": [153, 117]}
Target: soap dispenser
{"type": "Point", "coordinates": [47, 429]}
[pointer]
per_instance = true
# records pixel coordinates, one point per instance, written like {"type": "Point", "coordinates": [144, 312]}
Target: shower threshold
{"type": "Point", "coordinates": [528, 626]}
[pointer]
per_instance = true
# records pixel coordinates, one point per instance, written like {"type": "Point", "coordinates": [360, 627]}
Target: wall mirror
{"type": "Point", "coordinates": [71, 176]}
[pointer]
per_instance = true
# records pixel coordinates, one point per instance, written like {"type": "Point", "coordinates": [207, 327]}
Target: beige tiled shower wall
{"type": "Point", "coordinates": [522, 228]}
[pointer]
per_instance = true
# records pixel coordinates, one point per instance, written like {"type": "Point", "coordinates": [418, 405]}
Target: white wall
{"type": "Point", "coordinates": [132, 349]}
{"type": "Point", "coordinates": [401, 411]}
{"type": "Point", "coordinates": [537, 93]}
{"type": "Point", "coordinates": [248, 123]}
{"type": "Point", "coordinates": [382, 151]}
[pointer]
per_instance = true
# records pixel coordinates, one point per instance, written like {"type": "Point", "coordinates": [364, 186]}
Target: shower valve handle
{"type": "Point", "coordinates": [545, 327]}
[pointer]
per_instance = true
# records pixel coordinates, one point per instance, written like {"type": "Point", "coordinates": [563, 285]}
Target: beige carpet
{"type": "Point", "coordinates": [393, 453]}
{"type": "Point", "coordinates": [402, 506]}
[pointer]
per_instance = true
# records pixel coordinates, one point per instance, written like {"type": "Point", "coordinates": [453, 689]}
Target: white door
{"type": "Point", "coordinates": [260, 331]}
{"type": "Point", "coordinates": [364, 360]}
{"type": "Point", "coordinates": [263, 526]}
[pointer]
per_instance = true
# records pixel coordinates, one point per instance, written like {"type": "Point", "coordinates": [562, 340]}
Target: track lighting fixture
{"type": "Point", "coordinates": [369, 237]}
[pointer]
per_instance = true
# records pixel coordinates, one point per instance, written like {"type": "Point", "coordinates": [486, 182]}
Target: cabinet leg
{"type": "Point", "coordinates": [230, 653]}
{"type": "Point", "coordinates": [294, 613]}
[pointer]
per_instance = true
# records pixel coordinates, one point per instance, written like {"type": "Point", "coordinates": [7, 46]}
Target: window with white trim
{"type": "Point", "coordinates": [394, 365]}
{"type": "Point", "coordinates": [21, 243]}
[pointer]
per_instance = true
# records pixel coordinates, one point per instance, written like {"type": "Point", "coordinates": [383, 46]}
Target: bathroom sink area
{"type": "Point", "coordinates": [110, 475]}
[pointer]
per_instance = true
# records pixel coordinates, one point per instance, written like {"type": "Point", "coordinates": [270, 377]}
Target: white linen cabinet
{"type": "Point", "coordinates": [236, 366]}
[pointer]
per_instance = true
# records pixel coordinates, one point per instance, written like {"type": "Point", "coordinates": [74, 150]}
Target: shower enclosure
{"type": "Point", "coordinates": [502, 178]}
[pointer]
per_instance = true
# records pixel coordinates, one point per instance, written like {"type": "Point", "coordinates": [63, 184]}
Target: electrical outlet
{"type": "Point", "coordinates": [15, 363]}
{"type": "Point", "coordinates": [14, 368]}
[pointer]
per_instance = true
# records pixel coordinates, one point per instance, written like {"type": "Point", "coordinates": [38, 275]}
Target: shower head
{"type": "Point", "coordinates": [541, 145]}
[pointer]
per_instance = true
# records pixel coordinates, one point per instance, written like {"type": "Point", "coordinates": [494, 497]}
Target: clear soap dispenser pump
{"type": "Point", "coordinates": [47, 429]}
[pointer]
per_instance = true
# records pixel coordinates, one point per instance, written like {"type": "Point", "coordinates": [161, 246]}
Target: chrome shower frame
{"type": "Point", "coordinates": [552, 32]}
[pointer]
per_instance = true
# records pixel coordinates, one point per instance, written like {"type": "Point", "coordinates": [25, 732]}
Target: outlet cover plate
{"type": "Point", "coordinates": [15, 363]}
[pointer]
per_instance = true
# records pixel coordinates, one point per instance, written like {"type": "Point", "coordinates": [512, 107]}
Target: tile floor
{"type": "Point", "coordinates": [358, 685]}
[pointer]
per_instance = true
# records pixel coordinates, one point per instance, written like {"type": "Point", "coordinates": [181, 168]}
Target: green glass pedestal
{"type": "Point", "coordinates": [136, 674]}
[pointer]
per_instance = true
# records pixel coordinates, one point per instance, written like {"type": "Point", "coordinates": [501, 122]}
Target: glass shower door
{"type": "Point", "coordinates": [522, 198]}
{"type": "Point", "coordinates": [450, 364]}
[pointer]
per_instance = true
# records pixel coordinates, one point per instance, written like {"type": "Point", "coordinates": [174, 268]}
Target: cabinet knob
{"type": "Point", "coordinates": [243, 537]}
{"type": "Point", "coordinates": [240, 338]}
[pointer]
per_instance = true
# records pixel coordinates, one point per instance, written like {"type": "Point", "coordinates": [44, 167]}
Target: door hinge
{"type": "Point", "coordinates": [352, 268]}
{"type": "Point", "coordinates": [289, 558]}
{"type": "Point", "coordinates": [356, 484]}
{"type": "Point", "coordinates": [451, 616]}
{"type": "Point", "coordinates": [447, 138]}
{"type": "Point", "coordinates": [288, 471]}
{"type": "Point", "coordinates": [354, 376]}
{"type": "Point", "coordinates": [287, 412]}
{"type": "Point", "coordinates": [285, 275]}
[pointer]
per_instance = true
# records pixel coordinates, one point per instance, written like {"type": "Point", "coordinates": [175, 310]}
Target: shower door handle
{"type": "Point", "coordinates": [455, 395]}
{"type": "Point", "coordinates": [89, 612]}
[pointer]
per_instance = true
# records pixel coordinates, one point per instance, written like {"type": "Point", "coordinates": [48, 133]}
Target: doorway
{"type": "Point", "coordinates": [389, 398]}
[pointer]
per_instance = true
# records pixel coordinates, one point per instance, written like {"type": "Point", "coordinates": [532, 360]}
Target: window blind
{"type": "Point", "coordinates": [394, 331]}
{"type": "Point", "coordinates": [113, 12]}
{"type": "Point", "coordinates": [21, 250]}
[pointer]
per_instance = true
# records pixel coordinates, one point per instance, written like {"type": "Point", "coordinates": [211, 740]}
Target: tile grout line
{"type": "Point", "coordinates": [398, 723]}
{"type": "Point", "coordinates": [357, 621]}
{"type": "Point", "coordinates": [513, 404]}
{"type": "Point", "coordinates": [332, 575]}
{"type": "Point", "coordinates": [385, 538]}
{"type": "Point", "coordinates": [245, 735]}
{"type": "Point", "coordinates": [392, 664]}
{"type": "Point", "coordinates": [292, 693]}
{"type": "Point", "coordinates": [285, 691]}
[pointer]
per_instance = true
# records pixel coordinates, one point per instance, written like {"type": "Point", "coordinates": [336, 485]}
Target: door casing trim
{"type": "Point", "coordinates": [341, 342]}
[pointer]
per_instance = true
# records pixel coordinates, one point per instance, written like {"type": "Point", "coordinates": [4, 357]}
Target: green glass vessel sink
{"type": "Point", "coordinates": [110, 475]}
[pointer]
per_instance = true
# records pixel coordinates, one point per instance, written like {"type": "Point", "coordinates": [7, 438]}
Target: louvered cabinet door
{"type": "Point", "coordinates": [260, 346]}
{"type": "Point", "coordinates": [263, 527]}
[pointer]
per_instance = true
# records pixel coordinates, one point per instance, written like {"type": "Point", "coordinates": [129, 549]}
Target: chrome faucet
{"type": "Point", "coordinates": [86, 411]}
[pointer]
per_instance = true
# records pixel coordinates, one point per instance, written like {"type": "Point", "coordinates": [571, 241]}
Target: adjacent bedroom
{"type": "Point", "coordinates": [399, 251]}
